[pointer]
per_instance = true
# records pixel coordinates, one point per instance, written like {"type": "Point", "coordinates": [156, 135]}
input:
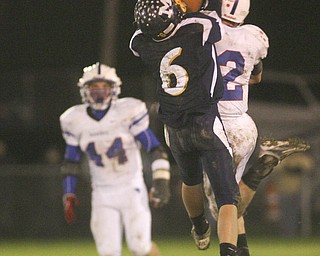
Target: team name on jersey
{"type": "Point", "coordinates": [98, 133]}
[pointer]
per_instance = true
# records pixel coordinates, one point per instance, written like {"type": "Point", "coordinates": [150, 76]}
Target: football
{"type": "Point", "coordinates": [193, 5]}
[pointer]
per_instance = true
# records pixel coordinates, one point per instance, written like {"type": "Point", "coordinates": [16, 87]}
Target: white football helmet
{"type": "Point", "coordinates": [99, 99]}
{"type": "Point", "coordinates": [235, 10]}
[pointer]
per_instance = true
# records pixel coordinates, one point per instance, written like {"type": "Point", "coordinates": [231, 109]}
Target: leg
{"type": "Point", "coordinates": [218, 164]}
{"type": "Point", "coordinates": [154, 250]}
{"type": "Point", "coordinates": [241, 226]}
{"type": "Point", "coordinates": [204, 147]}
{"type": "Point", "coordinates": [270, 155]}
{"type": "Point", "coordinates": [242, 135]}
{"type": "Point", "coordinates": [192, 192]}
{"type": "Point", "coordinates": [247, 195]}
{"type": "Point", "coordinates": [194, 203]}
{"type": "Point", "coordinates": [227, 224]}
{"type": "Point", "coordinates": [242, 245]}
{"type": "Point", "coordinates": [106, 229]}
{"type": "Point", "coordinates": [191, 196]}
{"type": "Point", "coordinates": [226, 192]}
{"type": "Point", "coordinates": [137, 221]}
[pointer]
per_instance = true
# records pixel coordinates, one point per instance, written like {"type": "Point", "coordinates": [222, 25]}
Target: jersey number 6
{"type": "Point", "coordinates": [174, 77]}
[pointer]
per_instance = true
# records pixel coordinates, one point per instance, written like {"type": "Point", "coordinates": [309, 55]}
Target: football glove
{"type": "Point", "coordinates": [70, 202]}
{"type": "Point", "coordinates": [160, 192]}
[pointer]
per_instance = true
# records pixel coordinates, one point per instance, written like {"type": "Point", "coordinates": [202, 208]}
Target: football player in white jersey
{"type": "Point", "coordinates": [240, 54]}
{"type": "Point", "coordinates": [110, 130]}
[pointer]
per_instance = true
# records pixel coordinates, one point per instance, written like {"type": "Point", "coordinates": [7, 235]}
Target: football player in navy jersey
{"type": "Point", "coordinates": [179, 49]}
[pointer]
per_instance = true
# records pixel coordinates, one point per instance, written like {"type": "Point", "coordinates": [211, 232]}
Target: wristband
{"type": "Point", "coordinates": [69, 185]}
{"type": "Point", "coordinates": [161, 164]}
{"type": "Point", "coordinates": [161, 174]}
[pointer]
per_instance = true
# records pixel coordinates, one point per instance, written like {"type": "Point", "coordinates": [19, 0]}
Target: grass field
{"type": "Point", "coordinates": [168, 247]}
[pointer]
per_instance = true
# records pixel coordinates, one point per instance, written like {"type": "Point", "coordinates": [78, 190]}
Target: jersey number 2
{"type": "Point", "coordinates": [232, 91]}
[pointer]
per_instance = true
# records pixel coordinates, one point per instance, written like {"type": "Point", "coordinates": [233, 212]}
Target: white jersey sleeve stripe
{"type": "Point", "coordinates": [215, 71]}
{"type": "Point", "coordinates": [138, 120]}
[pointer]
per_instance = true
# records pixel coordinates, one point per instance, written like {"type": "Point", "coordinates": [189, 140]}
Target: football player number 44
{"type": "Point", "coordinates": [116, 150]}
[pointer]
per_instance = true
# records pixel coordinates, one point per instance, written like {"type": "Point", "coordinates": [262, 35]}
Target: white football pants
{"type": "Point", "coordinates": [118, 208]}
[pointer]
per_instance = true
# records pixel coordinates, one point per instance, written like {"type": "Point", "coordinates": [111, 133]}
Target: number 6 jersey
{"type": "Point", "coordinates": [110, 145]}
{"type": "Point", "coordinates": [185, 67]}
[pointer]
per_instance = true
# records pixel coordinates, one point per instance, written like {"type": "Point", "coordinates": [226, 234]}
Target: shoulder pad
{"type": "Point", "coordinates": [132, 105]}
{"type": "Point", "coordinates": [72, 113]}
{"type": "Point", "coordinates": [258, 33]}
{"type": "Point", "coordinates": [135, 111]}
{"type": "Point", "coordinates": [69, 122]}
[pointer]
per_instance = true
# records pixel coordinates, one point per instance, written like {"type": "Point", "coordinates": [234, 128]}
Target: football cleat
{"type": "Point", "coordinates": [282, 148]}
{"type": "Point", "coordinates": [202, 241]}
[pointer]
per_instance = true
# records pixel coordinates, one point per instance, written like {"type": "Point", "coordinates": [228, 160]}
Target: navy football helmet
{"type": "Point", "coordinates": [158, 18]}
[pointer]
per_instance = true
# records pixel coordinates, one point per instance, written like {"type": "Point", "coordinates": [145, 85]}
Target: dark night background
{"type": "Point", "coordinates": [41, 34]}
{"type": "Point", "coordinates": [45, 44]}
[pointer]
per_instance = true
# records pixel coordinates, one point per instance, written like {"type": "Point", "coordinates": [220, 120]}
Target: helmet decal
{"type": "Point", "coordinates": [235, 10]}
{"type": "Point", "coordinates": [158, 18]}
{"type": "Point", "coordinates": [164, 9]}
{"type": "Point", "coordinates": [99, 68]}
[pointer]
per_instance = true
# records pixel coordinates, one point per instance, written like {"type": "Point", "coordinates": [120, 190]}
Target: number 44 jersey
{"type": "Point", "coordinates": [238, 51]}
{"type": "Point", "coordinates": [110, 145]}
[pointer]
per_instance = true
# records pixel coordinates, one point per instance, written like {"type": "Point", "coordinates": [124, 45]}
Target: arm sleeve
{"type": "Point", "coordinates": [71, 163]}
{"type": "Point", "coordinates": [148, 140]}
{"type": "Point", "coordinates": [160, 165]}
{"type": "Point", "coordinates": [72, 153]}
{"type": "Point", "coordinates": [69, 184]}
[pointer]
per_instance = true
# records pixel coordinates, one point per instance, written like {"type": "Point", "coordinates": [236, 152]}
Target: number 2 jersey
{"type": "Point", "coordinates": [110, 145]}
{"type": "Point", "coordinates": [184, 66]}
{"type": "Point", "coordinates": [238, 51]}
